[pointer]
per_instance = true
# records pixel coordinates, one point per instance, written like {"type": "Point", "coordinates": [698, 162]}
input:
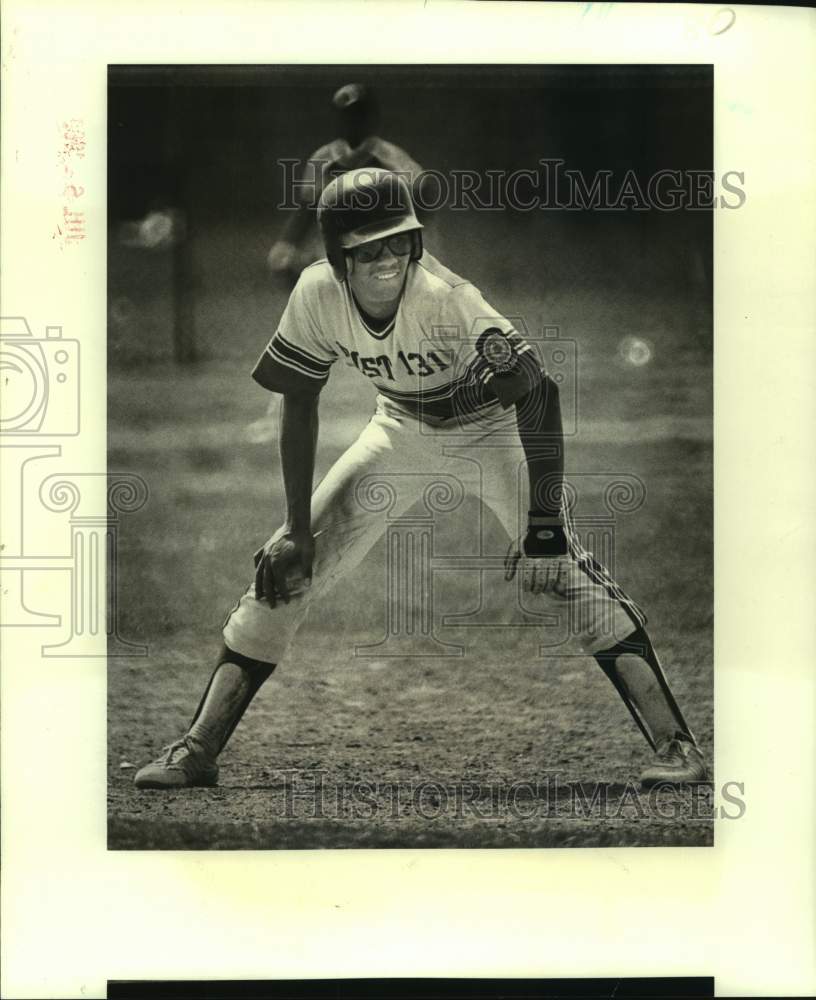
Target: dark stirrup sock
{"type": "Point", "coordinates": [657, 702]}
{"type": "Point", "coordinates": [234, 683]}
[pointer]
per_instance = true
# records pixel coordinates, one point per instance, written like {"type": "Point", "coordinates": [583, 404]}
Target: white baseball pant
{"type": "Point", "coordinates": [381, 475]}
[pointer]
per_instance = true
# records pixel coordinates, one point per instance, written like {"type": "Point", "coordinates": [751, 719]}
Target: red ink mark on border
{"type": "Point", "coordinates": [71, 228]}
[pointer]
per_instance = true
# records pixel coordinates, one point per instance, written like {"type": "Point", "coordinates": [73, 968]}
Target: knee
{"type": "Point", "coordinates": [635, 644]}
{"type": "Point", "coordinates": [248, 663]}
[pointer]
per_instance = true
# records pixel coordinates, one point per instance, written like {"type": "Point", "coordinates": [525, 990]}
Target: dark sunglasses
{"type": "Point", "coordinates": [399, 244]}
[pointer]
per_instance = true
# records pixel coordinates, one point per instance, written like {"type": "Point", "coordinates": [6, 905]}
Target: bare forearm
{"type": "Point", "coordinates": [298, 445]}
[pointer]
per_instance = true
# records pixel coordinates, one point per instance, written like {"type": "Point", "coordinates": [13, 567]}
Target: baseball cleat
{"type": "Point", "coordinates": [181, 765]}
{"type": "Point", "coordinates": [677, 762]}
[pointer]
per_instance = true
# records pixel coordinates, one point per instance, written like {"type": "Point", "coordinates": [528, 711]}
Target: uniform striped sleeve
{"type": "Point", "coordinates": [284, 367]}
{"type": "Point", "coordinates": [297, 358]}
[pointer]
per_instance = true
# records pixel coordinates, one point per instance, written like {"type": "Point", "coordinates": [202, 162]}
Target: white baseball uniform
{"type": "Point", "coordinates": [447, 369]}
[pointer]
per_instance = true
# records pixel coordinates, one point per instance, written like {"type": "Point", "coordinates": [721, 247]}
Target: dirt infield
{"type": "Point", "coordinates": [403, 754]}
{"type": "Point", "coordinates": [499, 747]}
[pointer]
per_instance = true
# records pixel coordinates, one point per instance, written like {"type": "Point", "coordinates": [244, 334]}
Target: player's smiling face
{"type": "Point", "coordinates": [377, 283]}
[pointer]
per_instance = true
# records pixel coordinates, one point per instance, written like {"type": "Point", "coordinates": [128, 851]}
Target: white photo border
{"type": "Point", "coordinates": [76, 915]}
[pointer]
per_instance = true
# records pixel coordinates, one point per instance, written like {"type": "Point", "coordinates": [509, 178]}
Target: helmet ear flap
{"type": "Point", "coordinates": [337, 259]}
{"type": "Point", "coordinates": [416, 249]}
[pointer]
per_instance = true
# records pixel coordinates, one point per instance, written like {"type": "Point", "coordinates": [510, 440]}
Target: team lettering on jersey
{"type": "Point", "coordinates": [445, 353]}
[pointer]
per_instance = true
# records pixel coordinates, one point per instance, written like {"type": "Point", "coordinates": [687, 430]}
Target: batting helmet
{"type": "Point", "coordinates": [364, 205]}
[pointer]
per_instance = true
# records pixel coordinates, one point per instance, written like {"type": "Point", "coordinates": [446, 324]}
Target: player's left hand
{"type": "Point", "coordinates": [283, 567]}
{"type": "Point", "coordinates": [281, 256]}
{"type": "Point", "coordinates": [542, 558]}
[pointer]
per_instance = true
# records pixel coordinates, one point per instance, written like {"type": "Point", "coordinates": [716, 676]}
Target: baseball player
{"type": "Point", "coordinates": [356, 113]}
{"type": "Point", "coordinates": [473, 403]}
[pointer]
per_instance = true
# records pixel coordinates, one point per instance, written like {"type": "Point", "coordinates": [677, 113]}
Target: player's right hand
{"type": "Point", "coordinates": [283, 567]}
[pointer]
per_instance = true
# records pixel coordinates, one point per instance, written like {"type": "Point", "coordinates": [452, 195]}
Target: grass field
{"type": "Point", "coordinates": [414, 752]}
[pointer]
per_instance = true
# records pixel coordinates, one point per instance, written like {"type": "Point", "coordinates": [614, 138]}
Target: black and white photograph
{"type": "Point", "coordinates": [406, 535]}
{"type": "Point", "coordinates": [411, 367]}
